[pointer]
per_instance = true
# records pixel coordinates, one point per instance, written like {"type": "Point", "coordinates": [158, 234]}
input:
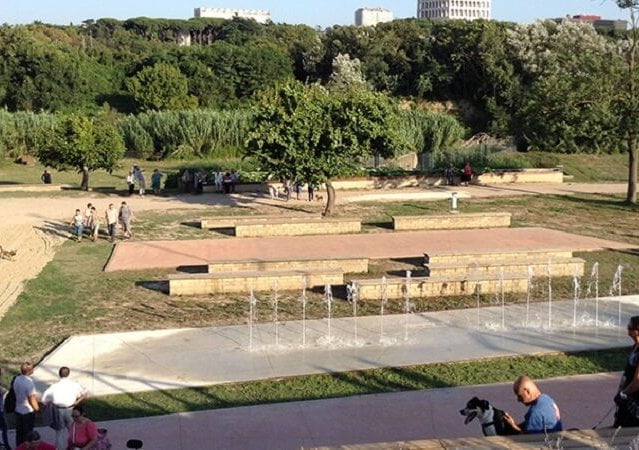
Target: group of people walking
{"type": "Point", "coordinates": [91, 220]}
{"type": "Point", "coordinates": [60, 407]}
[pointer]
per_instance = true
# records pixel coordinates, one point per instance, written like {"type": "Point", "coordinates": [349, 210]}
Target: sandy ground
{"type": "Point", "coordinates": [36, 226]}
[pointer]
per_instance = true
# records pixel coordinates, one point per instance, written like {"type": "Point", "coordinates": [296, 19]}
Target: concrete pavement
{"type": "Point", "coordinates": [139, 255]}
{"type": "Point", "coordinates": [429, 414]}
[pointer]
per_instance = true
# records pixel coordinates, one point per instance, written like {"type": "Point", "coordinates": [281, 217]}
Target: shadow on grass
{"type": "Point", "coordinates": [601, 200]}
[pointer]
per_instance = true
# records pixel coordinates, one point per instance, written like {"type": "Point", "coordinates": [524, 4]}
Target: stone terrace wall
{"type": "Point", "coordinates": [452, 221]}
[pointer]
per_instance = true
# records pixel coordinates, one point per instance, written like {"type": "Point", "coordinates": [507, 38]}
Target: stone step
{"type": "Point", "coordinates": [346, 265]}
{"type": "Point", "coordinates": [243, 282]}
{"type": "Point", "coordinates": [515, 255]}
{"type": "Point", "coordinates": [451, 221]}
{"type": "Point", "coordinates": [559, 267]}
{"type": "Point", "coordinates": [301, 227]}
{"type": "Point", "coordinates": [425, 287]}
{"type": "Point", "coordinates": [231, 221]}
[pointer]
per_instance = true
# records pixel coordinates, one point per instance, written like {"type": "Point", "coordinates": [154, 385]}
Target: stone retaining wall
{"type": "Point", "coordinates": [425, 287]}
{"type": "Point", "coordinates": [346, 265]}
{"type": "Point", "coordinates": [284, 227]}
{"type": "Point", "coordinates": [479, 257]}
{"type": "Point", "coordinates": [452, 221]}
{"type": "Point", "coordinates": [232, 221]}
{"type": "Point", "coordinates": [243, 282]}
{"type": "Point", "coordinates": [559, 267]}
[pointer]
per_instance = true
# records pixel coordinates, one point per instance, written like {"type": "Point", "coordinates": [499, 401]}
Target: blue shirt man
{"type": "Point", "coordinates": [543, 414]}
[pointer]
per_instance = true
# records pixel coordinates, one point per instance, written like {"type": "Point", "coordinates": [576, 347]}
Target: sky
{"type": "Point", "coordinates": [311, 12]}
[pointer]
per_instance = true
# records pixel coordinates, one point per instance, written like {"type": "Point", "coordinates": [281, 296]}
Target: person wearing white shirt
{"type": "Point", "coordinates": [63, 396]}
{"type": "Point", "coordinates": [26, 402]}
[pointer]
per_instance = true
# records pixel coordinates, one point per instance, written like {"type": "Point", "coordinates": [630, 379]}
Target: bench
{"type": "Point", "coordinates": [232, 221]}
{"type": "Point", "coordinates": [301, 227]}
{"type": "Point", "coordinates": [452, 221]}
{"type": "Point", "coordinates": [243, 282]}
{"type": "Point", "coordinates": [425, 287]}
{"type": "Point", "coordinates": [344, 264]}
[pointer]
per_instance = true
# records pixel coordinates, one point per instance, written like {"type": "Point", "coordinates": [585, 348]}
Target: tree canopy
{"type": "Point", "coordinates": [83, 144]}
{"type": "Point", "coordinates": [303, 133]}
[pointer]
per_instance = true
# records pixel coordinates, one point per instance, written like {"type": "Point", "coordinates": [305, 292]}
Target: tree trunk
{"type": "Point", "coordinates": [85, 178]}
{"type": "Point", "coordinates": [631, 196]}
{"type": "Point", "coordinates": [330, 201]}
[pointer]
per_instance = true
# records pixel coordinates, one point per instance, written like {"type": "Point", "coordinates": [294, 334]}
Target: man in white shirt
{"type": "Point", "coordinates": [63, 396]}
{"type": "Point", "coordinates": [26, 402]}
{"type": "Point", "coordinates": [111, 216]}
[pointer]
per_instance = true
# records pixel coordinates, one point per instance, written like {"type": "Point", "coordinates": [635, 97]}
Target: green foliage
{"type": "Point", "coordinates": [24, 132]}
{"type": "Point", "coordinates": [80, 142]}
{"type": "Point", "coordinates": [304, 133]}
{"type": "Point", "coordinates": [481, 158]}
{"type": "Point", "coordinates": [567, 101]}
{"type": "Point", "coordinates": [161, 87]}
{"type": "Point", "coordinates": [186, 134]}
{"type": "Point", "coordinates": [430, 132]}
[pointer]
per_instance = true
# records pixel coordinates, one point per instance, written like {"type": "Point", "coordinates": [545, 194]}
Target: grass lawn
{"type": "Point", "coordinates": [73, 296]}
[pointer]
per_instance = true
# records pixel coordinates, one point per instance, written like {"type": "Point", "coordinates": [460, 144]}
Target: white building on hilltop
{"type": "Point", "coordinates": [259, 15]}
{"type": "Point", "coordinates": [453, 9]}
{"type": "Point", "coordinates": [369, 17]}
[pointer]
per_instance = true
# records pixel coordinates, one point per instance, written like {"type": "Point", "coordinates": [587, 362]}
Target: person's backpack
{"type": "Point", "coordinates": [10, 399]}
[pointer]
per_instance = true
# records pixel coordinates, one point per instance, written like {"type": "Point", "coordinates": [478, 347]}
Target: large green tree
{"type": "Point", "coordinates": [83, 144]}
{"type": "Point", "coordinates": [161, 87]}
{"type": "Point", "coordinates": [567, 98]}
{"type": "Point", "coordinates": [304, 133]}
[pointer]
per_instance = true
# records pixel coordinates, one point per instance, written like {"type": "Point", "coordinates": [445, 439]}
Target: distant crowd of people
{"type": "Point", "coordinates": [59, 407]}
{"type": "Point", "coordinates": [91, 220]}
{"type": "Point", "coordinates": [194, 181]}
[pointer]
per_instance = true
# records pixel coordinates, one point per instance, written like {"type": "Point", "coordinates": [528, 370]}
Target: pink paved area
{"type": "Point", "coordinates": [584, 401]}
{"type": "Point", "coordinates": [133, 255]}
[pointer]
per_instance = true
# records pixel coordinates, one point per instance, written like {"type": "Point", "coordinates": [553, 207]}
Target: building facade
{"type": "Point", "coordinates": [454, 9]}
{"type": "Point", "coordinates": [595, 21]}
{"type": "Point", "coordinates": [369, 17]}
{"type": "Point", "coordinates": [259, 15]}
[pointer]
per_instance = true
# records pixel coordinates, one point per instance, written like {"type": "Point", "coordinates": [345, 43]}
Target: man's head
{"type": "Point", "coordinates": [110, 205]}
{"type": "Point", "coordinates": [26, 368]}
{"type": "Point", "coordinates": [526, 390]}
{"type": "Point", "coordinates": [64, 372]}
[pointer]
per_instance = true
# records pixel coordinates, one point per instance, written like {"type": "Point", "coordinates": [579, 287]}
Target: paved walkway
{"type": "Point", "coordinates": [141, 255]}
{"type": "Point", "coordinates": [583, 400]}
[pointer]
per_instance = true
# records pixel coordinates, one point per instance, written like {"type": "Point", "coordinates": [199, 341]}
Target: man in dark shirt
{"type": "Point", "coordinates": [46, 177]}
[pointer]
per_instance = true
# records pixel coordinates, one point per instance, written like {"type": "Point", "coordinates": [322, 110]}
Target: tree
{"type": "Point", "coordinates": [83, 144]}
{"type": "Point", "coordinates": [304, 133]}
{"type": "Point", "coordinates": [567, 99]}
{"type": "Point", "coordinates": [629, 97]}
{"type": "Point", "coordinates": [161, 87]}
{"type": "Point", "coordinates": [347, 74]}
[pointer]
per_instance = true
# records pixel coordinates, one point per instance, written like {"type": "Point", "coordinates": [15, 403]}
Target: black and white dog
{"type": "Point", "coordinates": [491, 419]}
